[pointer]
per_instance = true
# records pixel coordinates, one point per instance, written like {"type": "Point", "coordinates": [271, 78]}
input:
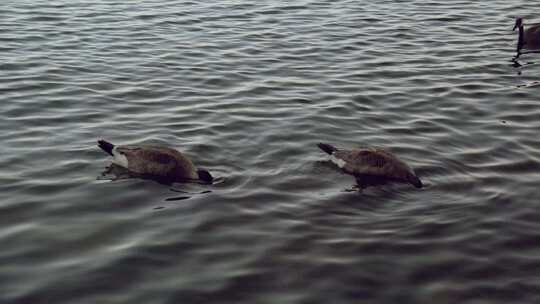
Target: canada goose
{"type": "Point", "coordinates": [158, 162]}
{"type": "Point", "coordinates": [529, 38]}
{"type": "Point", "coordinates": [371, 166]}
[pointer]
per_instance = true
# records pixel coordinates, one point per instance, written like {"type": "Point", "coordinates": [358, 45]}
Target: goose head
{"type": "Point", "coordinates": [519, 23]}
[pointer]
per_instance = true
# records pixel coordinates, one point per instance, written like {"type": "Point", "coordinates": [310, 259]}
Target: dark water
{"type": "Point", "coordinates": [247, 89]}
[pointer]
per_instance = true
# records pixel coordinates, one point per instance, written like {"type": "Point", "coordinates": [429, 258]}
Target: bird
{"type": "Point", "coordinates": [156, 162]}
{"type": "Point", "coordinates": [371, 166]}
{"type": "Point", "coordinates": [529, 38]}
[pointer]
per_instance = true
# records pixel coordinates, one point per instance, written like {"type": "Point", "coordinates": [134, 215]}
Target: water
{"type": "Point", "coordinates": [248, 89]}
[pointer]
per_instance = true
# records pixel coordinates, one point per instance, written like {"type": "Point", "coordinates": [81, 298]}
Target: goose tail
{"type": "Point", "coordinates": [327, 148]}
{"type": "Point", "coordinates": [106, 146]}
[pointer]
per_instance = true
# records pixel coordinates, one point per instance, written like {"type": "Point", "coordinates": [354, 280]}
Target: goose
{"type": "Point", "coordinates": [371, 166]}
{"type": "Point", "coordinates": [158, 162]}
{"type": "Point", "coordinates": [528, 39]}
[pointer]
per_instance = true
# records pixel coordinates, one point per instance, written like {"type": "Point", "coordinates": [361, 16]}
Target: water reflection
{"type": "Point", "coordinates": [530, 84]}
{"type": "Point", "coordinates": [516, 63]}
{"type": "Point", "coordinates": [115, 172]}
{"type": "Point", "coordinates": [515, 59]}
{"type": "Point", "coordinates": [187, 196]}
{"type": "Point", "coordinates": [363, 182]}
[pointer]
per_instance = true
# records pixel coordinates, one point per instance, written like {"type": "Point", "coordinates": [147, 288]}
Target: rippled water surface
{"type": "Point", "coordinates": [247, 89]}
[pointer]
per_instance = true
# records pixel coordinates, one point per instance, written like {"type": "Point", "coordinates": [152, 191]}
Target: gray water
{"type": "Point", "coordinates": [247, 89]}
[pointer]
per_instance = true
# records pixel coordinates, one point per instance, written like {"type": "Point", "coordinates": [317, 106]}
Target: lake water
{"type": "Point", "coordinates": [247, 89]}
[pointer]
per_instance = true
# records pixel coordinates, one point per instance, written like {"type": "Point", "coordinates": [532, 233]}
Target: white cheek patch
{"type": "Point", "coordinates": [339, 162]}
{"type": "Point", "coordinates": [120, 159]}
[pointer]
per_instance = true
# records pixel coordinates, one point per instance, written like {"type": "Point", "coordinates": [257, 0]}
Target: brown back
{"type": "Point", "coordinates": [374, 161]}
{"type": "Point", "coordinates": [532, 37]}
{"type": "Point", "coordinates": [159, 161]}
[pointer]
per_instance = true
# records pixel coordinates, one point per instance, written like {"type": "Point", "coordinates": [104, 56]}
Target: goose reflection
{"type": "Point", "coordinates": [185, 194]}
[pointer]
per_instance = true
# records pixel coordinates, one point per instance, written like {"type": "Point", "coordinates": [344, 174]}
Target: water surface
{"type": "Point", "coordinates": [248, 89]}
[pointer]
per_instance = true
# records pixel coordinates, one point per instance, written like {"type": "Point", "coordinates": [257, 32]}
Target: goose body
{"type": "Point", "coordinates": [155, 161]}
{"type": "Point", "coordinates": [371, 166]}
{"type": "Point", "coordinates": [528, 38]}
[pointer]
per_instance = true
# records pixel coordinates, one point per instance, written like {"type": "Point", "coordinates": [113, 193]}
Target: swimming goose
{"type": "Point", "coordinates": [528, 39]}
{"type": "Point", "coordinates": [371, 166]}
{"type": "Point", "coordinates": [157, 162]}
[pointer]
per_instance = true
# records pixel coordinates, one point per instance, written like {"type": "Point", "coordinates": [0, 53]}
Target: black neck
{"type": "Point", "coordinates": [520, 39]}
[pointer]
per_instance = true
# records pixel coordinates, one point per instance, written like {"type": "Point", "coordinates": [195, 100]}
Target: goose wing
{"type": "Point", "coordinates": [376, 162]}
{"type": "Point", "coordinates": [532, 36]}
{"type": "Point", "coordinates": [159, 161]}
